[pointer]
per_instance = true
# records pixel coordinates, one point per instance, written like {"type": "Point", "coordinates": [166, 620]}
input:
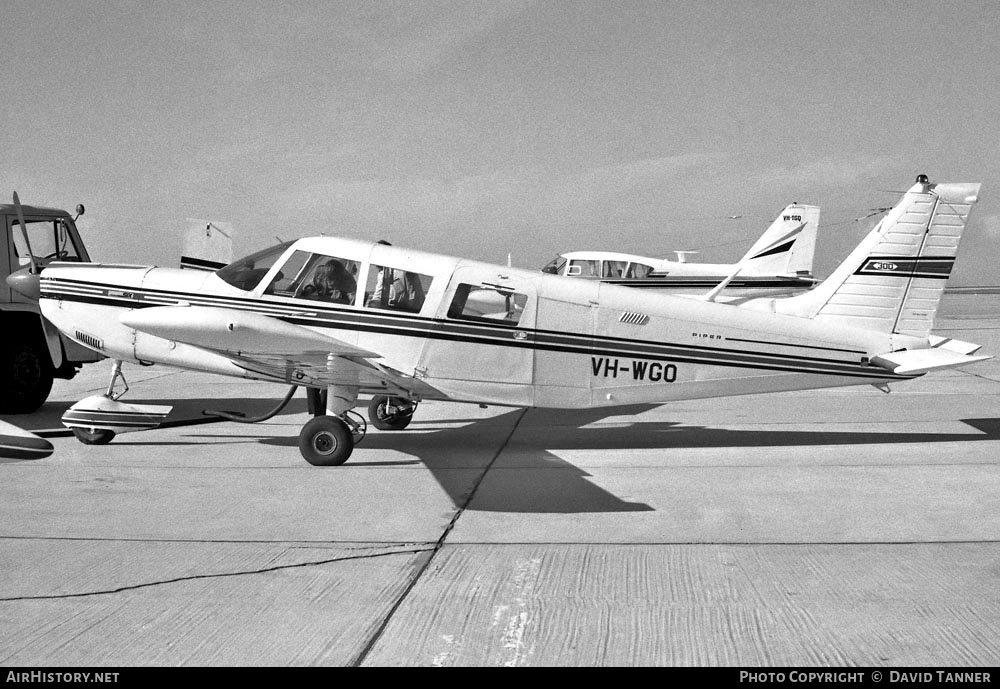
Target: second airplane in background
{"type": "Point", "coordinates": [779, 263]}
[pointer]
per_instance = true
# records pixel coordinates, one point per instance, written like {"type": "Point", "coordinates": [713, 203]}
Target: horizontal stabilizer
{"type": "Point", "coordinates": [954, 345]}
{"type": "Point", "coordinates": [916, 361]}
{"type": "Point", "coordinates": [235, 332]}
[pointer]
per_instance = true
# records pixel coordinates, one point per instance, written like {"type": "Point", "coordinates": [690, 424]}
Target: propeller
{"type": "Point", "coordinates": [24, 233]}
{"type": "Point", "coordinates": [26, 280]}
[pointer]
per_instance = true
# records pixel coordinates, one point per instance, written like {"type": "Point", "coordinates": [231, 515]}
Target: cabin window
{"type": "Point", "coordinates": [246, 273]}
{"type": "Point", "coordinates": [480, 303]}
{"type": "Point", "coordinates": [614, 269]}
{"type": "Point", "coordinates": [584, 268]}
{"type": "Point", "coordinates": [396, 289]}
{"type": "Point", "coordinates": [320, 277]}
{"type": "Point", "coordinates": [638, 270]}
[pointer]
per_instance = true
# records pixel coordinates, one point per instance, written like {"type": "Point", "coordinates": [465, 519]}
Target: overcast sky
{"type": "Point", "coordinates": [480, 129]}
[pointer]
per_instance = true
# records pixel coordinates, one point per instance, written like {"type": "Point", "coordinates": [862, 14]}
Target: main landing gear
{"type": "Point", "coordinates": [328, 439]}
{"type": "Point", "coordinates": [391, 413]}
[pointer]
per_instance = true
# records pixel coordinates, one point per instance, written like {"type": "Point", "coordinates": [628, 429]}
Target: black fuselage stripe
{"type": "Point", "coordinates": [328, 314]}
{"type": "Point", "coordinates": [541, 340]}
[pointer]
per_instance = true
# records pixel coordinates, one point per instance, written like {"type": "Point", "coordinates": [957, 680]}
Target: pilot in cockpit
{"type": "Point", "coordinates": [331, 282]}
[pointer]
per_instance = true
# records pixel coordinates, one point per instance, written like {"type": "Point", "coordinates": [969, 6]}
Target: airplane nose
{"type": "Point", "coordinates": [25, 283]}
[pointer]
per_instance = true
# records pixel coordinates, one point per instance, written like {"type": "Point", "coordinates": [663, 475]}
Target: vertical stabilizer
{"type": "Point", "coordinates": [893, 281]}
{"type": "Point", "coordinates": [788, 245]}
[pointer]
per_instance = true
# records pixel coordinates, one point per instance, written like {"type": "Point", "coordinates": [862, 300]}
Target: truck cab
{"type": "Point", "coordinates": [32, 351]}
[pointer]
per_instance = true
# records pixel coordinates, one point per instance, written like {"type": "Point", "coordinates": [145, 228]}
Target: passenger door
{"type": "Point", "coordinates": [484, 330]}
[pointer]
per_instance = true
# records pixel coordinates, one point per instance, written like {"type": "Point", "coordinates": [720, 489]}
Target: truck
{"type": "Point", "coordinates": [32, 351]}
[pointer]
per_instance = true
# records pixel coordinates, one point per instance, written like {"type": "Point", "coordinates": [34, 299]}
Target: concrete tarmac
{"type": "Point", "coordinates": [843, 527]}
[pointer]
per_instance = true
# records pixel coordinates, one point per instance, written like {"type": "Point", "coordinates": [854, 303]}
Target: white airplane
{"type": "Point", "coordinates": [779, 263]}
{"type": "Point", "coordinates": [317, 313]}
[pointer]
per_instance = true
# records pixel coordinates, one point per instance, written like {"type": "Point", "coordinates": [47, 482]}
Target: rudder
{"type": "Point", "coordinates": [893, 281]}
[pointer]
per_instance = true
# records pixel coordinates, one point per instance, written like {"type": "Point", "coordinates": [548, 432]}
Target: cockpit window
{"type": "Point", "coordinates": [246, 273]}
{"type": "Point", "coordinates": [584, 268]}
{"type": "Point", "coordinates": [320, 277]}
{"type": "Point", "coordinates": [555, 266]}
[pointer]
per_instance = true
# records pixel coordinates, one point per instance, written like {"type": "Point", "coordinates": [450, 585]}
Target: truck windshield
{"type": "Point", "coordinates": [49, 238]}
{"type": "Point", "coordinates": [246, 273]}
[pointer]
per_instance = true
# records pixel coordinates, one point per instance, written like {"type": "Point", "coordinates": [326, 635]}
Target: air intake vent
{"type": "Point", "coordinates": [90, 340]}
{"type": "Point", "coordinates": [633, 318]}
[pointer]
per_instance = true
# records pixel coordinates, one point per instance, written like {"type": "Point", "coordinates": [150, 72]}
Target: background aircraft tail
{"type": "Point", "coordinates": [893, 281]}
{"type": "Point", "coordinates": [788, 245]}
{"type": "Point", "coordinates": [208, 245]}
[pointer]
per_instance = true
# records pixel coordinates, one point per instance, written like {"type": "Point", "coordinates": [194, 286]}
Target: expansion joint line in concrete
{"type": "Point", "coordinates": [437, 548]}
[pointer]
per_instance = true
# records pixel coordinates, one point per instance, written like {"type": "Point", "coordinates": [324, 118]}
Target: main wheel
{"type": "Point", "coordinates": [391, 413]}
{"type": "Point", "coordinates": [326, 441]}
{"type": "Point", "coordinates": [98, 436]}
{"type": "Point", "coordinates": [25, 378]}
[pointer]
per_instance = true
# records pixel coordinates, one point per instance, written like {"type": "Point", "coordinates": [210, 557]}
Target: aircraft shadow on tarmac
{"type": "Point", "coordinates": [509, 480]}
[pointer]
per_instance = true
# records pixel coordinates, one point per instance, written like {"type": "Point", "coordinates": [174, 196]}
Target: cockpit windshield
{"type": "Point", "coordinates": [555, 266]}
{"type": "Point", "coordinates": [246, 273]}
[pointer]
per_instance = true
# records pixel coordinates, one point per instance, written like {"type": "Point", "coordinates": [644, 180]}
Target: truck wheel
{"type": "Point", "coordinates": [25, 377]}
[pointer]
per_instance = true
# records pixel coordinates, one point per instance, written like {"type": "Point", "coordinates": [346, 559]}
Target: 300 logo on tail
{"type": "Point", "coordinates": [653, 371]}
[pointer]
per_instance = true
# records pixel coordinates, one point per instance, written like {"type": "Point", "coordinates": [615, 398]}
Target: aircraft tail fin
{"type": "Point", "coordinates": [787, 246]}
{"type": "Point", "coordinates": [894, 279]}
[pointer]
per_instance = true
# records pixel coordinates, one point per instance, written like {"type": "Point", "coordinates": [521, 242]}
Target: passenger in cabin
{"type": "Point", "coordinates": [406, 293]}
{"type": "Point", "coordinates": [331, 282]}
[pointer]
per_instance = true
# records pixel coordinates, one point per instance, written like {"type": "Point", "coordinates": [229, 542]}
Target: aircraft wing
{"type": "Point", "coordinates": [273, 348]}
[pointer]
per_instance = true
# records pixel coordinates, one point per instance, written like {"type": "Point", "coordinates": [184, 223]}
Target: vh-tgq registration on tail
{"type": "Point", "coordinates": [353, 318]}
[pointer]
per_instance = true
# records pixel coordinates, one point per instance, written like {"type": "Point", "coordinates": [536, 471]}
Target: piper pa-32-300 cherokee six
{"type": "Point", "coordinates": [352, 318]}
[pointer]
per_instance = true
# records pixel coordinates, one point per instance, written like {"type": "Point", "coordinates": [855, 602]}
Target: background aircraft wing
{"type": "Point", "coordinates": [274, 348]}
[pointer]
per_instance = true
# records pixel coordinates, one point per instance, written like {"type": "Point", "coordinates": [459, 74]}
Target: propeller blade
{"type": "Point", "coordinates": [24, 232]}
